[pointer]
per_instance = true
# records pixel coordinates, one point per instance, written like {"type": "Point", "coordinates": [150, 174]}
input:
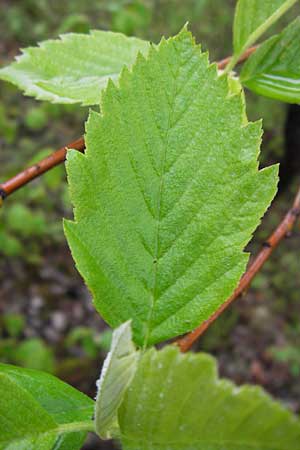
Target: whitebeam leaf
{"type": "Point", "coordinates": [23, 423]}
{"type": "Point", "coordinates": [253, 18]}
{"type": "Point", "coordinates": [167, 194]}
{"type": "Point", "coordinates": [75, 68]}
{"type": "Point", "coordinates": [177, 402]}
{"type": "Point", "coordinates": [274, 69]}
{"type": "Point", "coordinates": [40, 412]}
{"type": "Point", "coordinates": [117, 373]}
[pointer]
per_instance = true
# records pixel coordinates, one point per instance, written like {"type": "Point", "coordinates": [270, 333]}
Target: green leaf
{"type": "Point", "coordinates": [274, 69]}
{"type": "Point", "coordinates": [73, 69]}
{"type": "Point", "coordinates": [14, 324]}
{"type": "Point", "coordinates": [177, 402]}
{"type": "Point", "coordinates": [167, 194]}
{"type": "Point", "coordinates": [117, 373]}
{"type": "Point", "coordinates": [40, 412]}
{"type": "Point", "coordinates": [252, 19]}
{"type": "Point", "coordinates": [34, 354]}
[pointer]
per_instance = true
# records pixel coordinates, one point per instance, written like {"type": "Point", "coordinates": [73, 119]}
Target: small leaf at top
{"type": "Point", "coordinates": [177, 402]}
{"type": "Point", "coordinates": [253, 18]}
{"type": "Point", "coordinates": [274, 69]}
{"type": "Point", "coordinates": [117, 373]}
{"type": "Point", "coordinates": [73, 69]}
{"type": "Point", "coordinates": [167, 194]}
{"type": "Point", "coordinates": [33, 407]}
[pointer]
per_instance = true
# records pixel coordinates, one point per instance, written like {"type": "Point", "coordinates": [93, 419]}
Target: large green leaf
{"type": "Point", "coordinates": [117, 373]}
{"type": "Point", "coordinates": [167, 194]}
{"type": "Point", "coordinates": [176, 402]}
{"type": "Point", "coordinates": [73, 69]}
{"type": "Point", "coordinates": [252, 19]}
{"type": "Point", "coordinates": [37, 411]}
{"type": "Point", "coordinates": [274, 69]}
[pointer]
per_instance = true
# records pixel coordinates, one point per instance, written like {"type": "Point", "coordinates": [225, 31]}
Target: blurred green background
{"type": "Point", "coordinates": [47, 319]}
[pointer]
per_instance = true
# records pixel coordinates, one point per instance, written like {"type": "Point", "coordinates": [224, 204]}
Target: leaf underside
{"type": "Point", "coordinates": [73, 69]}
{"type": "Point", "coordinates": [274, 69]}
{"type": "Point", "coordinates": [177, 402]}
{"type": "Point", "coordinates": [32, 406]}
{"type": "Point", "coordinates": [167, 194]}
{"type": "Point", "coordinates": [117, 373]}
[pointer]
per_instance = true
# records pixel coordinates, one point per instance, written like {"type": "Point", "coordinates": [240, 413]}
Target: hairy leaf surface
{"type": "Point", "coordinates": [177, 402]}
{"type": "Point", "coordinates": [117, 373]}
{"type": "Point", "coordinates": [33, 407]}
{"type": "Point", "coordinates": [253, 18]}
{"type": "Point", "coordinates": [73, 69]}
{"type": "Point", "coordinates": [274, 69]}
{"type": "Point", "coordinates": [167, 194]}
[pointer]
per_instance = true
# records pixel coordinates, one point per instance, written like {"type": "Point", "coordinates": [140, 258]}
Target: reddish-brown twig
{"type": "Point", "coordinates": [283, 229]}
{"type": "Point", "coordinates": [59, 156]}
{"type": "Point", "coordinates": [223, 63]}
{"type": "Point", "coordinates": [38, 169]}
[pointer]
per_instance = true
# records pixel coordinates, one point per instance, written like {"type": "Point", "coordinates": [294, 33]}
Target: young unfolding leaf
{"type": "Point", "coordinates": [177, 402]}
{"type": "Point", "coordinates": [252, 19]}
{"type": "Point", "coordinates": [117, 373]}
{"type": "Point", "coordinates": [73, 69]}
{"type": "Point", "coordinates": [37, 411]}
{"type": "Point", "coordinates": [274, 69]}
{"type": "Point", "coordinates": [167, 194]}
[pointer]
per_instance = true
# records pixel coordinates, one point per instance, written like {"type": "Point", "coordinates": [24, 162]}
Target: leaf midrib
{"type": "Point", "coordinates": [163, 172]}
{"type": "Point", "coordinates": [59, 429]}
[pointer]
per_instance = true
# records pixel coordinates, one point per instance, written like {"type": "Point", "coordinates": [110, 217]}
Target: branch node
{"type": "Point", "coordinates": [266, 244]}
{"type": "Point", "coordinates": [3, 194]}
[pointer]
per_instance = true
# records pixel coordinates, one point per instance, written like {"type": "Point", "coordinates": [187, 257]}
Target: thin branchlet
{"type": "Point", "coordinates": [32, 172]}
{"type": "Point", "coordinates": [283, 230]}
